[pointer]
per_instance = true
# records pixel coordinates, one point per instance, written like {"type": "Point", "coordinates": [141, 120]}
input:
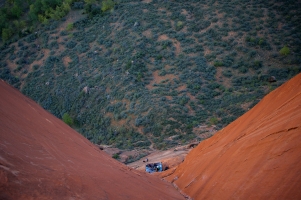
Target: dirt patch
{"type": "Point", "coordinates": [184, 29]}
{"type": "Point", "coordinates": [190, 110]}
{"type": "Point", "coordinates": [219, 15]}
{"type": "Point", "coordinates": [163, 37]}
{"type": "Point", "coordinates": [147, 33]}
{"type": "Point", "coordinates": [219, 77]}
{"type": "Point", "coordinates": [204, 131]}
{"type": "Point", "coordinates": [207, 51]}
{"type": "Point", "coordinates": [66, 60]}
{"type": "Point", "coordinates": [231, 34]}
{"type": "Point", "coordinates": [116, 123]}
{"type": "Point", "coordinates": [167, 67]}
{"type": "Point", "coordinates": [172, 119]}
{"type": "Point", "coordinates": [184, 12]}
{"type": "Point", "coordinates": [140, 129]}
{"type": "Point", "coordinates": [175, 42]}
{"type": "Point", "coordinates": [191, 96]}
{"type": "Point", "coordinates": [178, 46]}
{"type": "Point", "coordinates": [147, 1]}
{"type": "Point", "coordinates": [117, 26]}
{"type": "Point", "coordinates": [182, 87]}
{"type": "Point", "coordinates": [161, 9]}
{"type": "Point", "coordinates": [168, 97]}
{"type": "Point", "coordinates": [169, 158]}
{"type": "Point", "coordinates": [39, 62]}
{"type": "Point", "coordinates": [157, 79]}
{"type": "Point", "coordinates": [246, 106]}
{"type": "Point", "coordinates": [280, 25]}
{"type": "Point", "coordinates": [11, 65]}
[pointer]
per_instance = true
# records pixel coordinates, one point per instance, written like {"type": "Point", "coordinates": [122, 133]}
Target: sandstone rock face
{"type": "Point", "coordinates": [258, 156]}
{"type": "Point", "coordinates": [43, 158]}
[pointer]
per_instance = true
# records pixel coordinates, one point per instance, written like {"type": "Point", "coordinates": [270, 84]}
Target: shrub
{"type": "Point", "coordinates": [67, 119]}
{"type": "Point", "coordinates": [284, 51]}
{"type": "Point", "coordinates": [218, 64]}
{"type": "Point", "coordinates": [179, 25]}
{"type": "Point", "coordinates": [69, 27]}
{"type": "Point", "coordinates": [107, 5]}
{"type": "Point", "coordinates": [116, 156]}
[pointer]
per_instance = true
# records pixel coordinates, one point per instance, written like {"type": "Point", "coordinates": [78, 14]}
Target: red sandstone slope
{"type": "Point", "coordinates": [42, 158]}
{"type": "Point", "coordinates": [258, 156]}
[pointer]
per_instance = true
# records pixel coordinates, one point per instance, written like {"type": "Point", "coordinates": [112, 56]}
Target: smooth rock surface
{"type": "Point", "coordinates": [43, 158]}
{"type": "Point", "coordinates": [258, 156]}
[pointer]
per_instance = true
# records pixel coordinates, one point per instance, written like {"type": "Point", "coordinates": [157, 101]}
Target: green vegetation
{"type": "Point", "coordinates": [284, 51]}
{"type": "Point", "coordinates": [21, 17]}
{"type": "Point", "coordinates": [134, 74]}
{"type": "Point", "coordinates": [179, 25]}
{"type": "Point", "coordinates": [116, 156]}
{"type": "Point", "coordinates": [218, 64]}
{"type": "Point", "coordinates": [107, 5]}
{"type": "Point", "coordinates": [213, 121]}
{"type": "Point", "coordinates": [67, 119]}
{"type": "Point", "coordinates": [69, 27]}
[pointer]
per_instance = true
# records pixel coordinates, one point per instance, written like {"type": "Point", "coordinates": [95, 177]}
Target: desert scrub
{"type": "Point", "coordinates": [119, 62]}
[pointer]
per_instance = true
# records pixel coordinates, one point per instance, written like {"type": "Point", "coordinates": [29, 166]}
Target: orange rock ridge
{"type": "Point", "coordinates": [258, 156]}
{"type": "Point", "coordinates": [43, 158]}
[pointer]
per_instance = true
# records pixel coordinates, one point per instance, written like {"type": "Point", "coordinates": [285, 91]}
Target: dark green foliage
{"type": "Point", "coordinates": [116, 156]}
{"type": "Point", "coordinates": [20, 17]}
{"type": "Point", "coordinates": [218, 64]}
{"type": "Point", "coordinates": [71, 44]}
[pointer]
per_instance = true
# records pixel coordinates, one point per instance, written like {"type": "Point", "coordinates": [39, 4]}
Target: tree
{"type": "Point", "coordinates": [16, 11]}
{"type": "Point", "coordinates": [67, 119]}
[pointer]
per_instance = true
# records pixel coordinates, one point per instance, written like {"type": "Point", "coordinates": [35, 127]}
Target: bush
{"type": "Point", "coordinates": [67, 119]}
{"type": "Point", "coordinates": [179, 25]}
{"type": "Point", "coordinates": [107, 5]}
{"type": "Point", "coordinates": [218, 64]}
{"type": "Point", "coordinates": [69, 27]}
{"type": "Point", "coordinates": [116, 156]}
{"type": "Point", "coordinates": [284, 51]}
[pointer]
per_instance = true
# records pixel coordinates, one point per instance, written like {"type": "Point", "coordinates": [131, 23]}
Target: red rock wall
{"type": "Point", "coordinates": [43, 158]}
{"type": "Point", "coordinates": [258, 156]}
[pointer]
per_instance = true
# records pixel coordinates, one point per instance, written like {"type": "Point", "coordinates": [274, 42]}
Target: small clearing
{"type": "Point", "coordinates": [169, 158]}
{"type": "Point", "coordinates": [147, 33]}
{"type": "Point", "coordinates": [175, 42]}
{"type": "Point", "coordinates": [157, 79]}
{"type": "Point", "coordinates": [66, 60]}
